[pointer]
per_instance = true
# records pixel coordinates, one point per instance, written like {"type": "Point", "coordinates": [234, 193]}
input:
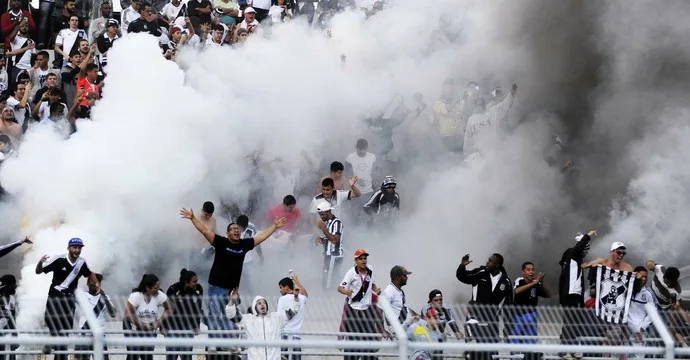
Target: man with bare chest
{"type": "Point", "coordinates": [614, 261]}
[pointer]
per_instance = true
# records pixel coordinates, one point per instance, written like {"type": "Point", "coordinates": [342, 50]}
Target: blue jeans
{"type": "Point", "coordinates": [217, 320]}
{"type": "Point", "coordinates": [45, 22]}
{"type": "Point", "coordinates": [525, 325]}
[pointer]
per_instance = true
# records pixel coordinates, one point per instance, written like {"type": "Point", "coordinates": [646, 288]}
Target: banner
{"type": "Point", "coordinates": [614, 293]}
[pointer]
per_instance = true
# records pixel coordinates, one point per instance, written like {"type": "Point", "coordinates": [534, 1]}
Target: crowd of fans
{"type": "Point", "coordinates": [358, 191]}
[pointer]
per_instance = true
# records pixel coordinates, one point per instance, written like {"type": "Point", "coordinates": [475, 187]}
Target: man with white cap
{"type": "Point", "coordinates": [332, 229]}
{"type": "Point", "coordinates": [67, 269]}
{"type": "Point", "coordinates": [614, 261]}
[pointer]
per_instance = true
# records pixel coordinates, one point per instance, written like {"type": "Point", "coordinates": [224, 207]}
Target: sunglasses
{"type": "Point", "coordinates": [621, 252]}
{"type": "Point", "coordinates": [389, 187]}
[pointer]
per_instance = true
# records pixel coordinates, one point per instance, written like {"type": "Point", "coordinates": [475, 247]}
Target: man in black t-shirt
{"type": "Point", "coordinates": [227, 265]}
{"type": "Point", "coordinates": [66, 269]}
{"type": "Point", "coordinates": [528, 289]}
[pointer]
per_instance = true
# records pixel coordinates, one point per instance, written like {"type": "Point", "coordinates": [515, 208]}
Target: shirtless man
{"type": "Point", "coordinates": [336, 174]}
{"type": "Point", "coordinates": [615, 261]}
{"type": "Point", "coordinates": [8, 126]}
{"type": "Point", "coordinates": [207, 218]}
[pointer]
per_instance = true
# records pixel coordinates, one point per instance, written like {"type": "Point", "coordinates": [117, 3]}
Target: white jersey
{"type": "Point", "coordinates": [99, 306]}
{"type": "Point", "coordinates": [362, 167]}
{"type": "Point", "coordinates": [336, 200]}
{"type": "Point", "coordinates": [485, 124]}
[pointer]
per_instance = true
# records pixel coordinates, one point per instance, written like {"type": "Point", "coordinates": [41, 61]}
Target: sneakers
{"type": "Point", "coordinates": [576, 356]}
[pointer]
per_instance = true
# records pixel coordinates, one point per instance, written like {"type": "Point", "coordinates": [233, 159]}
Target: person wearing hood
{"type": "Point", "coordinates": [384, 203]}
{"type": "Point", "coordinates": [185, 322]}
{"type": "Point", "coordinates": [261, 324]}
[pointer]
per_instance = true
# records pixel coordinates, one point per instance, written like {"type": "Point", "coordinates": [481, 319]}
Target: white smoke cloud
{"type": "Point", "coordinates": [643, 111]}
{"type": "Point", "coordinates": [166, 136]}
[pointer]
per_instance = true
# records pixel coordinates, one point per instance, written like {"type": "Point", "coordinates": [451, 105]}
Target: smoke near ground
{"type": "Point", "coordinates": [609, 79]}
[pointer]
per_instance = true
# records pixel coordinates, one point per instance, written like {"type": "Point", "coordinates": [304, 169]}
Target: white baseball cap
{"type": "Point", "coordinates": [617, 245]}
{"type": "Point", "coordinates": [324, 206]}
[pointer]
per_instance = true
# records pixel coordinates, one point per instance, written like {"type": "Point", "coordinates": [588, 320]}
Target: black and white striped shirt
{"type": "Point", "coordinates": [335, 227]}
{"type": "Point", "coordinates": [665, 296]}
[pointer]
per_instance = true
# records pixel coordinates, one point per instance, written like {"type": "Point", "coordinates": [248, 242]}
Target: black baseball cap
{"type": "Point", "coordinates": [434, 293]}
{"type": "Point", "coordinates": [398, 270]}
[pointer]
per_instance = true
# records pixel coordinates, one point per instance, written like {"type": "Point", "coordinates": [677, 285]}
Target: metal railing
{"type": "Point", "coordinates": [595, 340]}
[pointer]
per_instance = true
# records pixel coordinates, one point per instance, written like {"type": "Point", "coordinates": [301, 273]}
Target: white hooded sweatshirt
{"type": "Point", "coordinates": [262, 327]}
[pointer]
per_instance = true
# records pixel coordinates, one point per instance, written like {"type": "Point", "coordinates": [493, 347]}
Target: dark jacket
{"type": "Point", "coordinates": [571, 268]}
{"type": "Point", "coordinates": [188, 307]}
{"type": "Point", "coordinates": [141, 25]}
{"type": "Point", "coordinates": [483, 291]}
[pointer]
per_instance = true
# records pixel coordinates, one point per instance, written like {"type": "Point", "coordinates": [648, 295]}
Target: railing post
{"type": "Point", "coordinates": [669, 343]}
{"type": "Point", "coordinates": [98, 341]}
{"type": "Point", "coordinates": [400, 333]}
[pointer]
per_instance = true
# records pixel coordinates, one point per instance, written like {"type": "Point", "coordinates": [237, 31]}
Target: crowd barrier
{"type": "Point", "coordinates": [486, 333]}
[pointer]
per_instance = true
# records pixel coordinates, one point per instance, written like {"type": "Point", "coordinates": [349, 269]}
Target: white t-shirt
{"type": "Point", "coordinates": [94, 301]}
{"type": "Point", "coordinates": [171, 11]}
{"type": "Point", "coordinates": [362, 167]}
{"type": "Point", "coordinates": [261, 4]}
{"type": "Point", "coordinates": [23, 61]}
{"type": "Point", "coordinates": [44, 110]}
{"type": "Point", "coordinates": [19, 113]}
{"type": "Point", "coordinates": [336, 201]}
{"type": "Point", "coordinates": [147, 313]}
{"type": "Point", "coordinates": [244, 24]}
{"type": "Point", "coordinates": [293, 325]}
{"type": "Point", "coordinates": [67, 38]}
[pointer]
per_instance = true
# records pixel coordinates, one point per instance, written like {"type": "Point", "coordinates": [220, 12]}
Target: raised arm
{"type": "Point", "coordinates": [298, 285]}
{"type": "Point", "coordinates": [6, 249]}
{"type": "Point", "coordinates": [208, 234]}
{"type": "Point", "coordinates": [261, 237]}
{"type": "Point", "coordinates": [354, 191]}
{"type": "Point", "coordinates": [465, 276]}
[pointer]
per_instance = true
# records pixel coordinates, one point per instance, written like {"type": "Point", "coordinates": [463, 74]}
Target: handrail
{"type": "Point", "coordinates": [98, 335]}
{"type": "Point", "coordinates": [400, 333]}
{"type": "Point", "coordinates": [665, 335]}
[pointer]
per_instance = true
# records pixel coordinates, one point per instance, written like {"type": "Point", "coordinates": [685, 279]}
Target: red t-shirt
{"type": "Point", "coordinates": [88, 87]}
{"type": "Point", "coordinates": [278, 212]}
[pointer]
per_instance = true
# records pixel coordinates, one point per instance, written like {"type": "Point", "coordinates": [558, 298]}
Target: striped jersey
{"type": "Point", "coordinates": [665, 296]}
{"type": "Point", "coordinates": [335, 227]}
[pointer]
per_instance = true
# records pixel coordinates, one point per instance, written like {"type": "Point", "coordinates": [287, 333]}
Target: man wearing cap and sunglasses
{"type": "Point", "coordinates": [359, 286]}
{"type": "Point", "coordinates": [332, 241]}
{"type": "Point", "coordinates": [67, 269]}
{"type": "Point", "coordinates": [445, 314]}
{"type": "Point", "coordinates": [615, 261]}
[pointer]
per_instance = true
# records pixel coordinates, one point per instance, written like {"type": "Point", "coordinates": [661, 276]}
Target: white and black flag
{"type": "Point", "coordinates": [614, 292]}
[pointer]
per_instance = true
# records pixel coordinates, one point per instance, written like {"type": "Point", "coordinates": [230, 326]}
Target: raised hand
{"type": "Point", "coordinates": [279, 223]}
{"type": "Point", "coordinates": [466, 260]}
{"type": "Point", "coordinates": [187, 214]}
{"type": "Point", "coordinates": [27, 240]}
{"type": "Point", "coordinates": [592, 233]}
{"type": "Point", "coordinates": [540, 277]}
{"type": "Point", "coordinates": [353, 181]}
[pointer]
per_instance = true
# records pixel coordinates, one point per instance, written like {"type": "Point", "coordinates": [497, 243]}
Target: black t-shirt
{"type": "Point", "coordinates": [228, 260]}
{"type": "Point", "coordinates": [64, 282]}
{"type": "Point", "coordinates": [192, 7]}
{"type": "Point", "coordinates": [527, 299]}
